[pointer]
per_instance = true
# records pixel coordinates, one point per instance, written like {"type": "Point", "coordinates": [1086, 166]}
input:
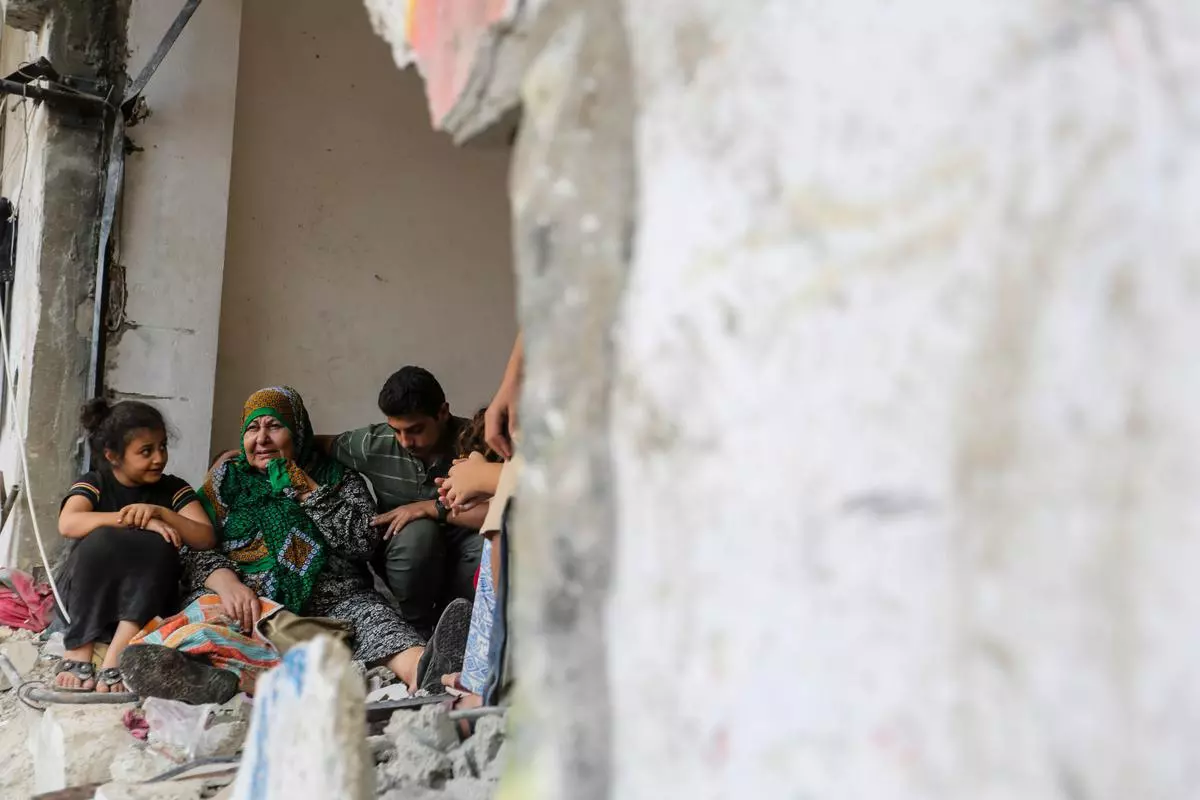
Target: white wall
{"type": "Point", "coordinates": [173, 222]}
{"type": "Point", "coordinates": [359, 240]}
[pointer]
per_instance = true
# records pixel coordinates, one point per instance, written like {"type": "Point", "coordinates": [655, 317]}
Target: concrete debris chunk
{"type": "Point", "coordinates": [414, 764]}
{"type": "Point", "coordinates": [74, 745]}
{"type": "Point", "coordinates": [23, 655]}
{"type": "Point", "coordinates": [307, 737]}
{"type": "Point", "coordinates": [138, 763]}
{"type": "Point", "coordinates": [430, 725]}
{"type": "Point", "coordinates": [485, 744]}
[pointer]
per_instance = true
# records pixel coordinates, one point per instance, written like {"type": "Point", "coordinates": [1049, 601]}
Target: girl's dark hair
{"type": "Point", "coordinates": [111, 427]}
{"type": "Point", "coordinates": [471, 439]}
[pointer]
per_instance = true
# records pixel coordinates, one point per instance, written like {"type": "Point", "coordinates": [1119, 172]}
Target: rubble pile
{"type": "Point", "coordinates": [310, 715]}
{"type": "Point", "coordinates": [419, 755]}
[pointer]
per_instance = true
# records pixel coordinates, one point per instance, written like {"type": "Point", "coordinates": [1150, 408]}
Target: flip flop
{"type": "Point", "coordinates": [83, 670]}
{"type": "Point", "coordinates": [110, 677]}
{"type": "Point", "coordinates": [445, 649]}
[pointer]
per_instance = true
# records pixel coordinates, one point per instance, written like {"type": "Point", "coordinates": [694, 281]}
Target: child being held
{"type": "Point", "coordinates": [128, 519]}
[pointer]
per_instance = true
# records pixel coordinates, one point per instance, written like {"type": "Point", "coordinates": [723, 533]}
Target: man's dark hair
{"type": "Point", "coordinates": [411, 391]}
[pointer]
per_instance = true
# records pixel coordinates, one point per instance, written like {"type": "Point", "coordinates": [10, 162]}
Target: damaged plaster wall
{"type": "Point", "coordinates": [343, 263]}
{"type": "Point", "coordinates": [167, 289]}
{"type": "Point", "coordinates": [52, 168]}
{"type": "Point", "coordinates": [900, 402]}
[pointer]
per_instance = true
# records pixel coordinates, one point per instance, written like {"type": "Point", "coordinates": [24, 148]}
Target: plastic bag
{"type": "Point", "coordinates": [198, 731]}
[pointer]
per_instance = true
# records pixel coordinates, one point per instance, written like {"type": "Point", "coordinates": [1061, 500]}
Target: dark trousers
{"type": "Point", "coordinates": [427, 565]}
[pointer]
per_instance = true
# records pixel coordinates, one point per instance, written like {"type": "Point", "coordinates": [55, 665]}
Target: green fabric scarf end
{"type": "Point", "coordinates": [277, 474]}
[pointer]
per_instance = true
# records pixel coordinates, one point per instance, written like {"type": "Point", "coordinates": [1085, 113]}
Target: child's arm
{"type": "Point", "coordinates": [191, 523]}
{"type": "Point", "coordinates": [470, 479]}
{"type": "Point", "coordinates": [77, 518]}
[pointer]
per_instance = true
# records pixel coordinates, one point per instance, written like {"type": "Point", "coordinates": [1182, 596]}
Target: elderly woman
{"type": "Point", "coordinates": [294, 527]}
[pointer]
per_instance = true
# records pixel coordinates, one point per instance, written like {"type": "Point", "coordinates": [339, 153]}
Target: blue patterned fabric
{"type": "Point", "coordinates": [475, 660]}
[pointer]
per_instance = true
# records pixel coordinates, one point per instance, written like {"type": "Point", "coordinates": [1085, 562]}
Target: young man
{"type": "Point", "coordinates": [429, 555]}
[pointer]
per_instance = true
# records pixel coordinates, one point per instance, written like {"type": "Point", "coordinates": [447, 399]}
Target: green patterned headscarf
{"type": "Point", "coordinates": [261, 526]}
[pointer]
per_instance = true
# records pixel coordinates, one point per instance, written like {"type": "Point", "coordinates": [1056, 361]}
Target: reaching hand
{"type": "Point", "coordinates": [138, 515]}
{"type": "Point", "coordinates": [394, 521]}
{"type": "Point", "coordinates": [500, 419]}
{"type": "Point", "coordinates": [165, 530]}
{"type": "Point", "coordinates": [466, 482]}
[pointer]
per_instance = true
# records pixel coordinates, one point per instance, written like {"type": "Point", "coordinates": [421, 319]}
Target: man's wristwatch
{"type": "Point", "coordinates": [442, 511]}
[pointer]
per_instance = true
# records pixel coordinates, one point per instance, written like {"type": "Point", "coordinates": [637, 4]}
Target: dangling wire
{"type": "Point", "coordinates": [18, 423]}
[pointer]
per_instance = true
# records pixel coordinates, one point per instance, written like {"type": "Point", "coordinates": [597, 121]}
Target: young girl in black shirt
{"type": "Point", "coordinates": [128, 520]}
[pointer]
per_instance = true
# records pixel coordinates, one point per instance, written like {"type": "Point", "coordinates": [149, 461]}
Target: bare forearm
{"type": "Point", "coordinates": [516, 362]}
{"type": "Point", "coordinates": [78, 524]}
{"type": "Point", "coordinates": [196, 535]}
{"type": "Point", "coordinates": [221, 580]}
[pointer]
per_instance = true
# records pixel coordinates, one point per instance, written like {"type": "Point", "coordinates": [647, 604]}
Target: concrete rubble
{"type": "Point", "coordinates": [309, 713]}
{"type": "Point", "coordinates": [308, 734]}
{"type": "Point", "coordinates": [419, 755]}
{"type": "Point", "coordinates": [74, 745]}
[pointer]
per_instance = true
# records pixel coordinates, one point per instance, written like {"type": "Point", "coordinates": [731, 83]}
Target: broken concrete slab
{"type": "Point", "coordinates": [485, 744]}
{"type": "Point", "coordinates": [139, 763]}
{"type": "Point", "coordinates": [307, 737]}
{"type": "Point", "coordinates": [413, 764]}
{"type": "Point", "coordinates": [74, 745]}
{"type": "Point", "coordinates": [24, 656]}
{"type": "Point", "coordinates": [429, 725]}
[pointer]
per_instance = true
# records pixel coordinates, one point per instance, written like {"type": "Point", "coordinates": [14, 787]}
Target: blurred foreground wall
{"type": "Point", "coordinates": [862, 397]}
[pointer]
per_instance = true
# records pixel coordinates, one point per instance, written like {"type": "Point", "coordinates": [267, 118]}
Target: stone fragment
{"type": "Point", "coordinates": [74, 745]}
{"type": "Point", "coordinates": [486, 742]}
{"type": "Point", "coordinates": [381, 748]}
{"type": "Point", "coordinates": [462, 759]}
{"type": "Point", "coordinates": [138, 763]}
{"type": "Point", "coordinates": [308, 736]}
{"type": "Point", "coordinates": [22, 654]}
{"type": "Point", "coordinates": [430, 725]}
{"type": "Point", "coordinates": [414, 764]}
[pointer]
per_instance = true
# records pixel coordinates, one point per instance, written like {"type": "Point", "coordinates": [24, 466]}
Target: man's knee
{"type": "Point", "coordinates": [416, 541]}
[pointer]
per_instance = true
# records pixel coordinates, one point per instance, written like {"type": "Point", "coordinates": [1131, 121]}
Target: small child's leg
{"type": "Point", "coordinates": [68, 680]}
{"type": "Point", "coordinates": [126, 630]}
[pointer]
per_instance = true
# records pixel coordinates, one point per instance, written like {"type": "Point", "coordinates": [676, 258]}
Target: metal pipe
{"type": "Point", "coordinates": [36, 694]}
{"type": "Point", "coordinates": [47, 93]}
{"type": "Point", "coordinates": [477, 713]}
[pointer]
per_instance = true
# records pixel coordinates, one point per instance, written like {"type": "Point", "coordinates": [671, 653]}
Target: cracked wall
{"type": "Point", "coordinates": [52, 170]}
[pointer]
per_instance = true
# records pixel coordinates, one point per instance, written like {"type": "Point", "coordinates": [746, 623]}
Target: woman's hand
{"type": "Point", "coordinates": [394, 521]}
{"type": "Point", "coordinates": [138, 515]}
{"type": "Point", "coordinates": [166, 531]}
{"type": "Point", "coordinates": [237, 599]}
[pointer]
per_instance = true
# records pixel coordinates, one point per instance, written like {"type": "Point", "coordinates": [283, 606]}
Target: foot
{"type": "Point", "coordinates": [110, 680]}
{"type": "Point", "coordinates": [404, 665]}
{"type": "Point", "coordinates": [73, 675]}
{"type": "Point", "coordinates": [152, 670]}
{"type": "Point", "coordinates": [444, 652]}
